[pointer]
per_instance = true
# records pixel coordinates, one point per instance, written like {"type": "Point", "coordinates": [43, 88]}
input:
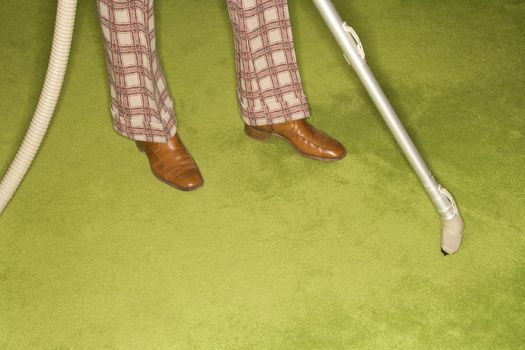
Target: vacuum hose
{"type": "Point", "coordinates": [56, 70]}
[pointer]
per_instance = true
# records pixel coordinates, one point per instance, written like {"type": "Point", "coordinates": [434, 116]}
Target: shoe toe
{"type": "Point", "coordinates": [332, 149]}
{"type": "Point", "coordinates": [337, 152]}
{"type": "Point", "coordinates": [193, 183]}
{"type": "Point", "coordinates": [190, 180]}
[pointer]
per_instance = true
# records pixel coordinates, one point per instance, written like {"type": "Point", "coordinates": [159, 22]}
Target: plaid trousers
{"type": "Point", "coordinates": [269, 87]}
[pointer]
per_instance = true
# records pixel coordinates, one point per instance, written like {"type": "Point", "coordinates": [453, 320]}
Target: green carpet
{"type": "Point", "coordinates": [276, 251]}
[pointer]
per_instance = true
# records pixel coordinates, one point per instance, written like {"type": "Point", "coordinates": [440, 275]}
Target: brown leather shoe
{"type": "Point", "coordinates": [172, 163]}
{"type": "Point", "coordinates": [304, 138]}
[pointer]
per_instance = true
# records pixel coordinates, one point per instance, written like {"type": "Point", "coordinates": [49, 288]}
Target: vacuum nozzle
{"type": "Point", "coordinates": [451, 234]}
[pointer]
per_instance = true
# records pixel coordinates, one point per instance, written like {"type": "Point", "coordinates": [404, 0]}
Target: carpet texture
{"type": "Point", "coordinates": [276, 251]}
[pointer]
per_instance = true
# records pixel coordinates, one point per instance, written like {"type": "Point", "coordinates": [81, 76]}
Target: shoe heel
{"type": "Point", "coordinates": [139, 146]}
{"type": "Point", "coordinates": [256, 133]}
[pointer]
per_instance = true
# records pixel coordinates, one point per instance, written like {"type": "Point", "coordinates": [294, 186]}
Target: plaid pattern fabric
{"type": "Point", "coordinates": [141, 106]}
{"type": "Point", "coordinates": [269, 88]}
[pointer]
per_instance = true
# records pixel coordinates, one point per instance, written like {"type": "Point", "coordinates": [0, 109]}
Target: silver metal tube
{"type": "Point", "coordinates": [350, 50]}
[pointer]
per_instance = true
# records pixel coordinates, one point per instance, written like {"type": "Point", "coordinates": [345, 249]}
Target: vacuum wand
{"type": "Point", "coordinates": [56, 70]}
{"type": "Point", "coordinates": [348, 40]}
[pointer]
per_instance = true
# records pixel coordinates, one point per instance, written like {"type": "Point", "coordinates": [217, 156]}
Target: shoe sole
{"type": "Point", "coordinates": [186, 189]}
{"type": "Point", "coordinates": [264, 136]}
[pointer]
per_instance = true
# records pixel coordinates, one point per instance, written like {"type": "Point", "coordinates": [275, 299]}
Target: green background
{"type": "Point", "coordinates": [276, 251]}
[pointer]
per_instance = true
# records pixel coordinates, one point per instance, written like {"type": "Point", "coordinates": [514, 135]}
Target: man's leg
{"type": "Point", "coordinates": [141, 106]}
{"type": "Point", "coordinates": [269, 88]}
{"type": "Point", "coordinates": [269, 85]}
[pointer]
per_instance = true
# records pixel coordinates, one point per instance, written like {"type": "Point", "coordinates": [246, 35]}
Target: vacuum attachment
{"type": "Point", "coordinates": [451, 227]}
